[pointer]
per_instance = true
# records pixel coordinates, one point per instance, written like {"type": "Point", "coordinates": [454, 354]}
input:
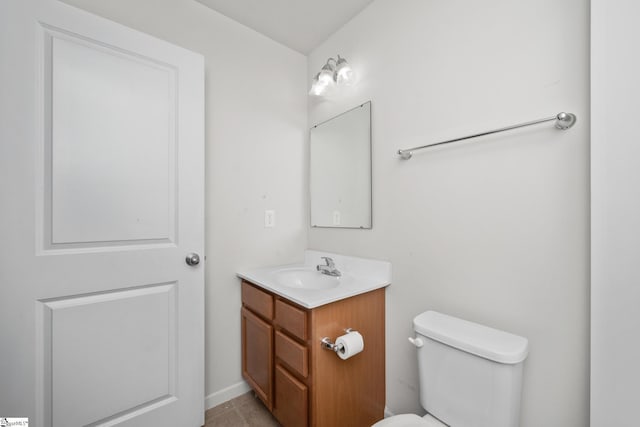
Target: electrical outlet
{"type": "Point", "coordinates": [336, 218]}
{"type": "Point", "coordinates": [269, 218]}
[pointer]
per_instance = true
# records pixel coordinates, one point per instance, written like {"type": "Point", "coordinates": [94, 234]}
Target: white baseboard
{"type": "Point", "coordinates": [228, 393]}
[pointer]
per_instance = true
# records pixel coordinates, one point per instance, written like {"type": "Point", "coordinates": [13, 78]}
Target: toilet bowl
{"type": "Point", "coordinates": [469, 374]}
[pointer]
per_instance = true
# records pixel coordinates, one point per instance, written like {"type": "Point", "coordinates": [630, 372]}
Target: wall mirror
{"type": "Point", "coordinates": [340, 170]}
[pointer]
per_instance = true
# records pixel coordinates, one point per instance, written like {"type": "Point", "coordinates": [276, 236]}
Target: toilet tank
{"type": "Point", "coordinates": [470, 374]}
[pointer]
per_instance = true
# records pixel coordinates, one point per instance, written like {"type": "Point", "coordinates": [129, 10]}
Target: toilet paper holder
{"type": "Point", "coordinates": [328, 345]}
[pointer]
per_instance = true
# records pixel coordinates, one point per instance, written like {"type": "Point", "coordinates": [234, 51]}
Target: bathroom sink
{"type": "Point", "coordinates": [306, 278]}
{"type": "Point", "coordinates": [303, 284]}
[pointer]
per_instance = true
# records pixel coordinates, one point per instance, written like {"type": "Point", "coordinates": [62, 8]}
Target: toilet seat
{"type": "Point", "coordinates": [409, 420]}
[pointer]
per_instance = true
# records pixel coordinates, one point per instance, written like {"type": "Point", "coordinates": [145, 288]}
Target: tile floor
{"type": "Point", "coordinates": [243, 411]}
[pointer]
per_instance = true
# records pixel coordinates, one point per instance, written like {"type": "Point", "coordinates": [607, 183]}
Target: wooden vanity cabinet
{"type": "Point", "coordinates": [301, 383]}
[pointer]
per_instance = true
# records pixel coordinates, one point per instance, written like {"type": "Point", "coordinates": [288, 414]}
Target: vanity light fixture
{"type": "Point", "coordinates": [335, 71]}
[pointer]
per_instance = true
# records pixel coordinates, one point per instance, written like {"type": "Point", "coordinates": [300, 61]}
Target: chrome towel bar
{"type": "Point", "coordinates": [563, 122]}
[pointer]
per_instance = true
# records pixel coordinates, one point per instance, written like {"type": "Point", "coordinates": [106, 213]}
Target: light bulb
{"type": "Point", "coordinates": [318, 88]}
{"type": "Point", "coordinates": [326, 75]}
{"type": "Point", "coordinates": [346, 76]}
{"type": "Point", "coordinates": [344, 73]}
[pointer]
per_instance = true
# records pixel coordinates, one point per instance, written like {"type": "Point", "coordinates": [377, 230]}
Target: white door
{"type": "Point", "coordinates": [101, 200]}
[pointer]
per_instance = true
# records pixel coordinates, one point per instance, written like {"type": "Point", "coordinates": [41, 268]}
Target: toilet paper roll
{"type": "Point", "coordinates": [349, 344]}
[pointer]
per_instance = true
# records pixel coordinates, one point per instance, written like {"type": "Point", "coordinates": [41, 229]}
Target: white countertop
{"type": "Point", "coordinates": [359, 275]}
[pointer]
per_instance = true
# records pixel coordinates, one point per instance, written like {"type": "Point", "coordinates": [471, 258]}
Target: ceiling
{"type": "Point", "coordinates": [299, 24]}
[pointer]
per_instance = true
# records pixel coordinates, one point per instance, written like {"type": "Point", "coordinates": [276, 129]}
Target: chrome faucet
{"type": "Point", "coordinates": [329, 268]}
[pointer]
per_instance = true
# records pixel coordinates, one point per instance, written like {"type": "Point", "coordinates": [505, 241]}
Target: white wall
{"type": "Point", "coordinates": [256, 132]}
{"type": "Point", "coordinates": [615, 213]}
{"type": "Point", "coordinates": [494, 231]}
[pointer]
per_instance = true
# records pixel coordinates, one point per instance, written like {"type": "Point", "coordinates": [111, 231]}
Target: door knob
{"type": "Point", "coordinates": [193, 259]}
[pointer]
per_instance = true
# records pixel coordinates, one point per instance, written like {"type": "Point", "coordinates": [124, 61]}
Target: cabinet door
{"type": "Point", "coordinates": [291, 399]}
{"type": "Point", "coordinates": [257, 355]}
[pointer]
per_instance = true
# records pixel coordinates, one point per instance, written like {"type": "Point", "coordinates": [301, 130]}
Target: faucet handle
{"type": "Point", "coordinates": [329, 261]}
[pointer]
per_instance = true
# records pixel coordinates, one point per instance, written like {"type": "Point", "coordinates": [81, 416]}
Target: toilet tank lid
{"type": "Point", "coordinates": [473, 338]}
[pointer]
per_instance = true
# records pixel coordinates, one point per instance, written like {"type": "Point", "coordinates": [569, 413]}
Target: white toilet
{"type": "Point", "coordinates": [470, 375]}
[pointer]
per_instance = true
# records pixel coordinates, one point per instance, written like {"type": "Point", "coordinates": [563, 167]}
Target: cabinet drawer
{"type": "Point", "coordinates": [291, 399]}
{"type": "Point", "coordinates": [292, 319]}
{"type": "Point", "coordinates": [257, 300]}
{"type": "Point", "coordinates": [292, 354]}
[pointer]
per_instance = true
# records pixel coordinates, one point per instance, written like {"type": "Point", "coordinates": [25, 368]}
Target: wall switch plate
{"type": "Point", "coordinates": [269, 218]}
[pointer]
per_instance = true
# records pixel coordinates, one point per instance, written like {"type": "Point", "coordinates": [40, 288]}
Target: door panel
{"type": "Point", "coordinates": [102, 189]}
{"type": "Point", "coordinates": [88, 336]}
{"type": "Point", "coordinates": [112, 143]}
